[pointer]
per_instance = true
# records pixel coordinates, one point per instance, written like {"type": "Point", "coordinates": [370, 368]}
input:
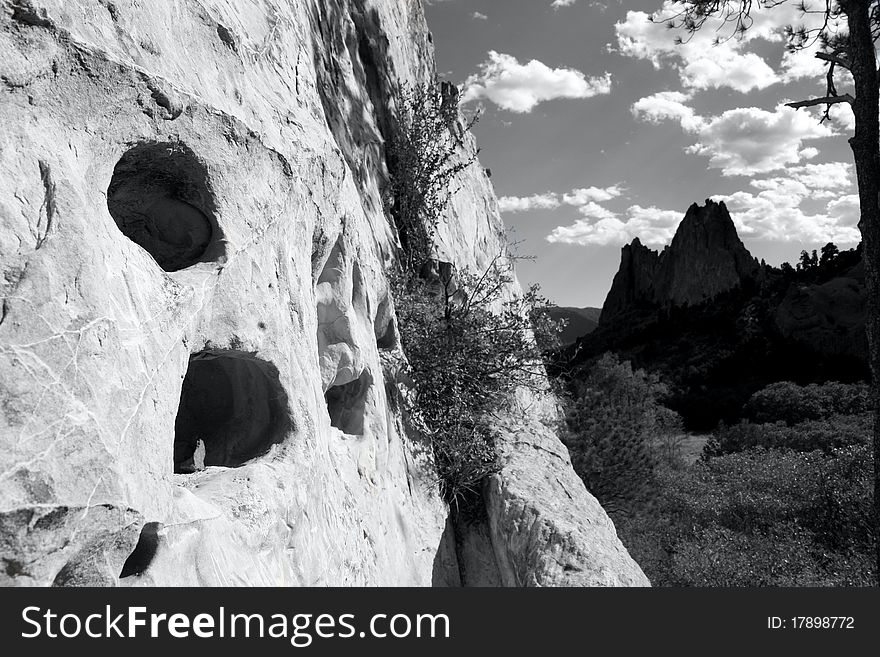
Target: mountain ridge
{"type": "Point", "coordinates": [717, 325]}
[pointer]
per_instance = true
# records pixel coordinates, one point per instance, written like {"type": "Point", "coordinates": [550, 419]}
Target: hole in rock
{"type": "Point", "coordinates": [142, 556]}
{"type": "Point", "coordinates": [160, 199]}
{"type": "Point", "coordinates": [233, 408]}
{"type": "Point", "coordinates": [383, 326]}
{"type": "Point", "coordinates": [346, 404]}
{"type": "Point", "coordinates": [388, 339]}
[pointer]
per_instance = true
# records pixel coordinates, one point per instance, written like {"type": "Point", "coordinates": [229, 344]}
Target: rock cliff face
{"type": "Point", "coordinates": [198, 351]}
{"type": "Point", "coordinates": [706, 257]}
{"type": "Point", "coordinates": [828, 318]}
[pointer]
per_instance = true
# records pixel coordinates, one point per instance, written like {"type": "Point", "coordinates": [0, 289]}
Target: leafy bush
{"type": "Point", "coordinates": [790, 403]}
{"type": "Point", "coordinates": [425, 155]}
{"type": "Point", "coordinates": [614, 424]}
{"type": "Point", "coordinates": [469, 349]}
{"type": "Point", "coordinates": [760, 517]}
{"type": "Point", "coordinates": [468, 344]}
{"type": "Point", "coordinates": [835, 431]}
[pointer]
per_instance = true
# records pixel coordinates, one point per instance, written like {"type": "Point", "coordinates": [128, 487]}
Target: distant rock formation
{"type": "Point", "coordinates": [709, 318]}
{"type": "Point", "coordinates": [706, 258]}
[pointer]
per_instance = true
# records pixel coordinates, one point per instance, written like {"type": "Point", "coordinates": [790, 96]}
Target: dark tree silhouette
{"type": "Point", "coordinates": [850, 47]}
{"type": "Point", "coordinates": [830, 253]}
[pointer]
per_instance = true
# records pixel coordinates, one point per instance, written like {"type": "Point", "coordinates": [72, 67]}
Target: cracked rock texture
{"type": "Point", "coordinates": [193, 244]}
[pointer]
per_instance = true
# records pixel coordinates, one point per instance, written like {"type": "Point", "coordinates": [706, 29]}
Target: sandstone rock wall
{"type": "Point", "coordinates": [197, 343]}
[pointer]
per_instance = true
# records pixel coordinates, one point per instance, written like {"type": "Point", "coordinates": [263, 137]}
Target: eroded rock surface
{"type": "Point", "coordinates": [198, 356]}
{"type": "Point", "coordinates": [706, 257]}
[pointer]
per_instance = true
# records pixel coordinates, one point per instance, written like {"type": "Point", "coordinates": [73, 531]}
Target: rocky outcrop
{"type": "Point", "coordinates": [634, 283]}
{"type": "Point", "coordinates": [706, 257]}
{"type": "Point", "coordinates": [199, 365]}
{"type": "Point", "coordinates": [827, 318]}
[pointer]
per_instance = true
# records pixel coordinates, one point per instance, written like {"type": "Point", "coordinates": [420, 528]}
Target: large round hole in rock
{"type": "Point", "coordinates": [233, 408]}
{"type": "Point", "coordinates": [346, 404]}
{"type": "Point", "coordinates": [160, 199]}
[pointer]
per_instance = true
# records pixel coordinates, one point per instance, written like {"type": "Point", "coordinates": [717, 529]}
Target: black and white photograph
{"type": "Point", "coordinates": [315, 303]}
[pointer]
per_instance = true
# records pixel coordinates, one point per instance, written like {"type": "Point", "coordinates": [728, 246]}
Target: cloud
{"type": "Point", "coordinates": [845, 210]}
{"type": "Point", "coordinates": [741, 141]}
{"type": "Point", "coordinates": [774, 211]}
{"type": "Point", "coordinates": [546, 201]}
{"type": "Point", "coordinates": [591, 194]}
{"type": "Point", "coordinates": [749, 140]}
{"type": "Point", "coordinates": [651, 225]}
{"type": "Point", "coordinates": [667, 105]}
{"type": "Point", "coordinates": [713, 57]}
{"type": "Point", "coordinates": [520, 87]}
{"type": "Point", "coordinates": [562, 3]}
{"type": "Point", "coordinates": [479, 16]}
{"type": "Point", "coordinates": [818, 181]}
{"type": "Point", "coordinates": [552, 200]}
{"type": "Point", "coordinates": [776, 214]}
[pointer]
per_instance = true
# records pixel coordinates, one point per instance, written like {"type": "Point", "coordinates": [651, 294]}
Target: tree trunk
{"type": "Point", "coordinates": [865, 144]}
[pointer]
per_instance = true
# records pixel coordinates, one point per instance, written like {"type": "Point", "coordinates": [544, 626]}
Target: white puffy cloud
{"type": "Point", "coordinates": [578, 197]}
{"type": "Point", "coordinates": [651, 225]}
{"type": "Point", "coordinates": [818, 181]}
{"type": "Point", "coordinates": [741, 141]}
{"type": "Point", "coordinates": [749, 140]}
{"type": "Point", "coordinates": [667, 105]}
{"type": "Point", "coordinates": [552, 200]}
{"type": "Point", "coordinates": [843, 116]}
{"type": "Point", "coordinates": [546, 201]}
{"type": "Point", "coordinates": [520, 87]}
{"type": "Point", "coordinates": [562, 3]}
{"type": "Point", "coordinates": [479, 16]}
{"type": "Point", "coordinates": [777, 211]}
{"type": "Point", "coordinates": [845, 210]}
{"type": "Point", "coordinates": [713, 57]}
{"type": "Point", "coordinates": [778, 215]}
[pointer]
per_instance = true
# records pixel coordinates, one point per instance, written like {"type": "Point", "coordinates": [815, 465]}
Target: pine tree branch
{"type": "Point", "coordinates": [825, 100]}
{"type": "Point", "coordinates": [834, 59]}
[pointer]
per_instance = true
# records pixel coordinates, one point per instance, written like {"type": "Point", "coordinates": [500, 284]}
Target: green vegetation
{"type": "Point", "coordinates": [781, 499]}
{"type": "Point", "coordinates": [790, 403]}
{"type": "Point", "coordinates": [427, 153]}
{"type": "Point", "coordinates": [612, 428]}
{"type": "Point", "coordinates": [469, 343]}
{"type": "Point", "coordinates": [469, 349]}
{"type": "Point", "coordinates": [759, 518]}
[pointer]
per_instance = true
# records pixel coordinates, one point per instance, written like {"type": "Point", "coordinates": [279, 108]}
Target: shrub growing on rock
{"type": "Point", "coordinates": [469, 348]}
{"type": "Point", "coordinates": [427, 152]}
{"type": "Point", "coordinates": [469, 342]}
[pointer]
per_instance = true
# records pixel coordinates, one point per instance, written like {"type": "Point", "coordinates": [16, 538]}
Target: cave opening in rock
{"type": "Point", "coordinates": [142, 555]}
{"type": "Point", "coordinates": [383, 326]}
{"type": "Point", "coordinates": [160, 198]}
{"type": "Point", "coordinates": [346, 404]}
{"type": "Point", "coordinates": [233, 408]}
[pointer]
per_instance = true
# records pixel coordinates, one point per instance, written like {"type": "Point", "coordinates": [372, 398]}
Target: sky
{"type": "Point", "coordinates": [599, 128]}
